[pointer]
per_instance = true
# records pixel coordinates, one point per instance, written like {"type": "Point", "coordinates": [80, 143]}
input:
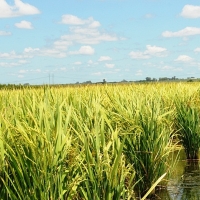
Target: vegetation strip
{"type": "Point", "coordinates": [94, 142]}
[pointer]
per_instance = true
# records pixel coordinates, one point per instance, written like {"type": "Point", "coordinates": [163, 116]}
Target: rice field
{"type": "Point", "coordinates": [95, 142]}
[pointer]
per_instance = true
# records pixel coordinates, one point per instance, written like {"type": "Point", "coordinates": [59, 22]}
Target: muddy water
{"type": "Point", "coordinates": [184, 184]}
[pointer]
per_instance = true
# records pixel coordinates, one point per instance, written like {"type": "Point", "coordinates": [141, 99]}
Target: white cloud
{"type": "Point", "coordinates": [184, 58]}
{"type": "Point", "coordinates": [155, 50]}
{"type": "Point", "coordinates": [24, 24]}
{"type": "Point", "coordinates": [170, 68]}
{"type": "Point", "coordinates": [52, 52]}
{"type": "Point", "coordinates": [188, 31]}
{"type": "Point", "coordinates": [86, 35]}
{"type": "Point", "coordinates": [112, 72]}
{"type": "Point", "coordinates": [97, 74]}
{"type": "Point", "coordinates": [77, 63]}
{"type": "Point", "coordinates": [9, 64]}
{"type": "Point", "coordinates": [74, 20]}
{"type": "Point", "coordinates": [109, 65]}
{"type": "Point", "coordinates": [84, 50]}
{"type": "Point", "coordinates": [31, 50]}
{"type": "Point", "coordinates": [190, 11]}
{"type": "Point", "coordinates": [149, 52]}
{"type": "Point", "coordinates": [20, 76]}
{"type": "Point", "coordinates": [149, 16]}
{"type": "Point", "coordinates": [178, 69]}
{"type": "Point", "coordinates": [22, 71]}
{"type": "Point", "coordinates": [37, 70]}
{"type": "Point", "coordinates": [62, 45]}
{"type": "Point", "coordinates": [18, 9]}
{"type": "Point", "coordinates": [90, 62]}
{"type": "Point", "coordinates": [12, 64]}
{"type": "Point", "coordinates": [23, 61]}
{"type": "Point", "coordinates": [63, 68]}
{"type": "Point", "coordinates": [167, 67]}
{"type": "Point", "coordinates": [197, 50]}
{"type": "Point", "coordinates": [104, 58]}
{"type": "Point", "coordinates": [138, 55]}
{"type": "Point", "coordinates": [84, 31]}
{"type": "Point", "coordinates": [4, 33]}
{"type": "Point", "coordinates": [34, 70]}
{"type": "Point", "coordinates": [138, 73]}
{"type": "Point", "coordinates": [94, 24]}
{"type": "Point", "coordinates": [11, 55]}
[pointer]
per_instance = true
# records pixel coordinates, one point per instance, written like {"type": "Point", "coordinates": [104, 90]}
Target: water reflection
{"type": "Point", "coordinates": [189, 184]}
{"type": "Point", "coordinates": [184, 183]}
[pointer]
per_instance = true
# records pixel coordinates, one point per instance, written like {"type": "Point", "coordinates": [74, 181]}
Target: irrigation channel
{"type": "Point", "coordinates": [184, 183]}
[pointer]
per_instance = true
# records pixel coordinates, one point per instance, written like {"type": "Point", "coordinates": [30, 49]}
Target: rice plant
{"type": "Point", "coordinates": [148, 145]}
{"type": "Point", "coordinates": [188, 123]}
{"type": "Point", "coordinates": [89, 142]}
{"type": "Point", "coordinates": [106, 175]}
{"type": "Point", "coordinates": [147, 128]}
{"type": "Point", "coordinates": [36, 146]}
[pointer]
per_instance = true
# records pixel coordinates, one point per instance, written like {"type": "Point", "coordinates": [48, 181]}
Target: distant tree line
{"type": "Point", "coordinates": [148, 79]}
{"type": "Point", "coordinates": [189, 79]}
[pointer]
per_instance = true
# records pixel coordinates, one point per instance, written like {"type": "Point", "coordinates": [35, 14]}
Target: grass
{"type": "Point", "coordinates": [188, 123]}
{"type": "Point", "coordinates": [92, 142]}
{"type": "Point", "coordinates": [36, 145]}
{"type": "Point", "coordinates": [147, 128]}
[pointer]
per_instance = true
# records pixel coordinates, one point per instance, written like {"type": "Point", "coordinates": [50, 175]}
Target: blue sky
{"type": "Point", "coordinates": [69, 41]}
